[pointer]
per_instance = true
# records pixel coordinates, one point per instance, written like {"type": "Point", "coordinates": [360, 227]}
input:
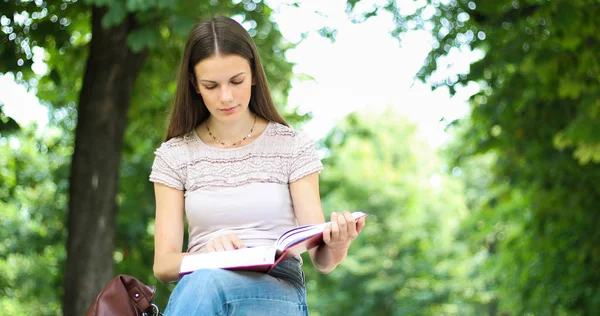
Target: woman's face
{"type": "Point", "coordinates": [225, 84]}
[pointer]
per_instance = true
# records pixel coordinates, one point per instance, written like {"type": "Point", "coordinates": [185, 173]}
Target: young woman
{"type": "Point", "coordinates": [241, 176]}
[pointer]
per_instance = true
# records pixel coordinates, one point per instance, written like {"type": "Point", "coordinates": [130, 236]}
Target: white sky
{"type": "Point", "coordinates": [364, 69]}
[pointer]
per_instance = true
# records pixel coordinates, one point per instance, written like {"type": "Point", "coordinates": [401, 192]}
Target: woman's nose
{"type": "Point", "coordinates": [226, 95]}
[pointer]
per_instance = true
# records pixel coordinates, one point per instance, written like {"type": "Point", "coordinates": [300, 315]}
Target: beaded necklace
{"type": "Point", "coordinates": [236, 143]}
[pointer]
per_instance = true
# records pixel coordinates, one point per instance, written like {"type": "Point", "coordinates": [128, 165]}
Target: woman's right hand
{"type": "Point", "coordinates": [223, 243]}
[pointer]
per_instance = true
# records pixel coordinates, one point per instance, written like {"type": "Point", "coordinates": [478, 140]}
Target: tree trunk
{"type": "Point", "coordinates": [111, 71]}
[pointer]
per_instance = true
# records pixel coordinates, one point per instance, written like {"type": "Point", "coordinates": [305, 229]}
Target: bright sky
{"type": "Point", "coordinates": [364, 69]}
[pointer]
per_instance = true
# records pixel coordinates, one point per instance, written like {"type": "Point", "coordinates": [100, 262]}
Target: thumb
{"type": "Point", "coordinates": [360, 224]}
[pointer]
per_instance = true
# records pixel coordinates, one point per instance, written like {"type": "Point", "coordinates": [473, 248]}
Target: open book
{"type": "Point", "coordinates": [264, 258]}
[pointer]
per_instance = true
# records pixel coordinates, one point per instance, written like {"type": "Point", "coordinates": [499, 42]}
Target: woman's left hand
{"type": "Point", "coordinates": [342, 230]}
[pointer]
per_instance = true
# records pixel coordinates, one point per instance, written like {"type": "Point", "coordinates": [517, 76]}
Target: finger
{"type": "Point", "coordinates": [360, 225]}
{"type": "Point", "coordinates": [237, 242]}
{"type": "Point", "coordinates": [227, 243]}
{"type": "Point", "coordinates": [210, 247]}
{"type": "Point", "coordinates": [219, 247]}
{"type": "Point", "coordinates": [327, 234]}
{"type": "Point", "coordinates": [352, 233]}
{"type": "Point", "coordinates": [343, 225]}
{"type": "Point", "coordinates": [218, 242]}
{"type": "Point", "coordinates": [335, 228]}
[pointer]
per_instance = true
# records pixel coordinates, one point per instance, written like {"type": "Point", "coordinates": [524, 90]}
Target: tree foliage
{"type": "Point", "coordinates": [507, 226]}
{"type": "Point", "coordinates": [47, 46]}
{"type": "Point", "coordinates": [57, 33]}
{"type": "Point", "coordinates": [536, 122]}
{"type": "Point", "coordinates": [33, 198]}
{"type": "Point", "coordinates": [401, 264]}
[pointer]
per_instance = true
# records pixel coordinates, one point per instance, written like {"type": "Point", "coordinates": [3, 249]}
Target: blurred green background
{"type": "Point", "coordinates": [502, 219]}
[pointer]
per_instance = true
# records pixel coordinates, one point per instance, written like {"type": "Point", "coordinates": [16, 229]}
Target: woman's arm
{"type": "Point", "coordinates": [168, 232]}
{"type": "Point", "coordinates": [337, 237]}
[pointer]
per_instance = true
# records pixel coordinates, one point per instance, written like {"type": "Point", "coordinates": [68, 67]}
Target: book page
{"type": "Point", "coordinates": [244, 257]}
{"type": "Point", "coordinates": [300, 233]}
{"type": "Point", "coordinates": [297, 236]}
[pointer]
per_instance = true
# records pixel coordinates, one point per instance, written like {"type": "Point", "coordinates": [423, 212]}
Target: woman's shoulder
{"type": "Point", "coordinates": [286, 132]}
{"type": "Point", "coordinates": [176, 146]}
{"type": "Point", "coordinates": [288, 137]}
{"type": "Point", "coordinates": [179, 141]}
{"type": "Point", "coordinates": [278, 129]}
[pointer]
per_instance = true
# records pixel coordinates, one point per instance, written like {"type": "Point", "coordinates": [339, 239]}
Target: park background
{"type": "Point", "coordinates": [469, 130]}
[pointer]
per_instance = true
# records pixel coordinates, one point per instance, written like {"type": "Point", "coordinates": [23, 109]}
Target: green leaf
{"type": "Point", "coordinates": [115, 15]}
{"type": "Point", "coordinates": [101, 3]}
{"type": "Point", "coordinates": [181, 24]}
{"type": "Point", "coordinates": [139, 5]}
{"type": "Point", "coordinates": [7, 124]}
{"type": "Point", "coordinates": [142, 38]}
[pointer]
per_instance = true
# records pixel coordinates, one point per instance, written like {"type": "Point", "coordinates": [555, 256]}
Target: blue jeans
{"type": "Point", "coordinates": [223, 292]}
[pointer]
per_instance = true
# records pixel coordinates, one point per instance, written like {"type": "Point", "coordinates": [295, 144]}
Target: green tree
{"type": "Point", "coordinates": [401, 264]}
{"type": "Point", "coordinates": [7, 124]}
{"type": "Point", "coordinates": [538, 115]}
{"type": "Point", "coordinates": [33, 199]}
{"type": "Point", "coordinates": [96, 52]}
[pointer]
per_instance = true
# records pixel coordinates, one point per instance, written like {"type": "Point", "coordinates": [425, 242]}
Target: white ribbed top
{"type": "Point", "coordinates": [242, 190]}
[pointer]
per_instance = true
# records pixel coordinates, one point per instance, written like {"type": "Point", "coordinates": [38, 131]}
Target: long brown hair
{"type": "Point", "coordinates": [219, 35]}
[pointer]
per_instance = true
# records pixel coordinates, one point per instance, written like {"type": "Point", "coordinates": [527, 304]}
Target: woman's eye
{"type": "Point", "coordinates": [237, 82]}
{"type": "Point", "coordinates": [209, 88]}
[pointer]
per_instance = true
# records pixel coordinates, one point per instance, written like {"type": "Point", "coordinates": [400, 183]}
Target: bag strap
{"type": "Point", "coordinates": [139, 298]}
{"type": "Point", "coordinates": [141, 295]}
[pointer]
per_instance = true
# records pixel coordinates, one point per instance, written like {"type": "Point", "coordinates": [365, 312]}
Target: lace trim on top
{"type": "Point", "coordinates": [279, 155]}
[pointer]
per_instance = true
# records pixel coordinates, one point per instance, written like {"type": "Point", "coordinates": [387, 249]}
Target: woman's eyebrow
{"type": "Point", "coordinates": [212, 81]}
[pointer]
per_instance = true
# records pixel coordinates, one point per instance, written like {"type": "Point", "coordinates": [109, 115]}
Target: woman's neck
{"type": "Point", "coordinates": [231, 132]}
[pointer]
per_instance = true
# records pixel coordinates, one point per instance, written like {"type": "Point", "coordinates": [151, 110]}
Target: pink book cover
{"type": "Point", "coordinates": [291, 251]}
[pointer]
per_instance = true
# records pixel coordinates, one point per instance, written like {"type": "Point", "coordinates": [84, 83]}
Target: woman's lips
{"type": "Point", "coordinates": [228, 110]}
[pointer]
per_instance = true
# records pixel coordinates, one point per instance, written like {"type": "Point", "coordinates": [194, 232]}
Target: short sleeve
{"type": "Point", "coordinates": [304, 158]}
{"type": "Point", "coordinates": [164, 171]}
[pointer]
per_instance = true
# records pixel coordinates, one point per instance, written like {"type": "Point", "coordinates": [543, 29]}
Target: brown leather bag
{"type": "Point", "coordinates": [125, 295]}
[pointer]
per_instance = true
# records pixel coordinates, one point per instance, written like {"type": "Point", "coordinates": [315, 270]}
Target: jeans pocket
{"type": "Point", "coordinates": [291, 272]}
